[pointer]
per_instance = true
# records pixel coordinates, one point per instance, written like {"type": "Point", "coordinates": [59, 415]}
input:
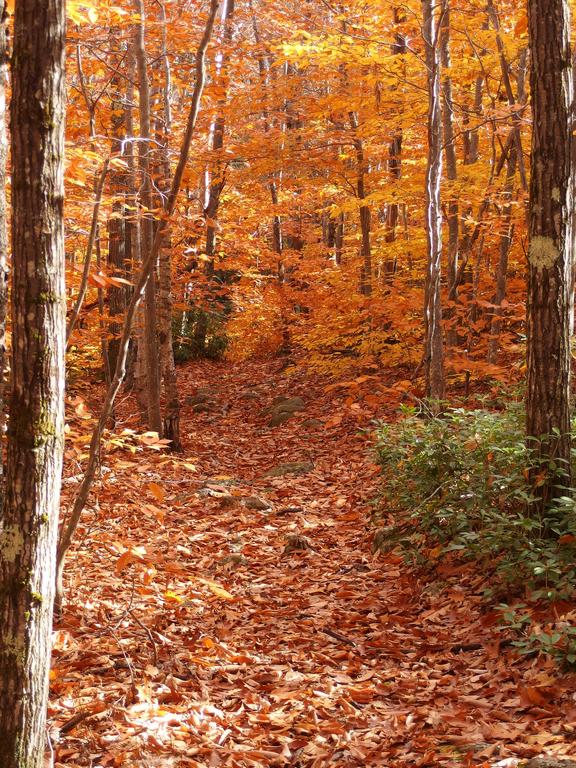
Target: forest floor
{"type": "Point", "coordinates": [200, 631]}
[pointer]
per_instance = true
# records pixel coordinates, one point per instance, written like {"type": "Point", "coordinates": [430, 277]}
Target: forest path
{"type": "Point", "coordinates": [197, 633]}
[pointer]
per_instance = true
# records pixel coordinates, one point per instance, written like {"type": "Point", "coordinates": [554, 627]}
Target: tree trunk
{"type": "Point", "coordinates": [449, 146]}
{"type": "Point", "coordinates": [434, 347]}
{"type": "Point", "coordinates": [147, 228]}
{"type": "Point", "coordinates": [550, 251]}
{"type": "Point", "coordinates": [399, 47]}
{"type": "Point", "coordinates": [217, 167]}
{"type": "Point", "coordinates": [365, 244]}
{"type": "Point", "coordinates": [502, 268]}
{"type": "Point", "coordinates": [171, 413]}
{"type": "Point", "coordinates": [506, 80]}
{"type": "Point", "coordinates": [508, 228]}
{"type": "Point", "coordinates": [36, 428]}
{"type": "Point", "coordinates": [3, 229]}
{"type": "Point", "coordinates": [117, 255]}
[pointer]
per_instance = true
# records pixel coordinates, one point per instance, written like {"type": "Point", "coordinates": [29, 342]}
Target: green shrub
{"type": "Point", "coordinates": [199, 334]}
{"type": "Point", "coordinates": [458, 482]}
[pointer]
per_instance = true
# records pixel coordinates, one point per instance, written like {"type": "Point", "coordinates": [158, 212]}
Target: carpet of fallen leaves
{"type": "Point", "coordinates": [201, 631]}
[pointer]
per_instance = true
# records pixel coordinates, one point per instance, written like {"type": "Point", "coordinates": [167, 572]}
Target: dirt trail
{"type": "Point", "coordinates": [198, 633]}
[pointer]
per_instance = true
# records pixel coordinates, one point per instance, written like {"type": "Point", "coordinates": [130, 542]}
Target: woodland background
{"type": "Point", "coordinates": [302, 222]}
{"type": "Point", "coordinates": [332, 213]}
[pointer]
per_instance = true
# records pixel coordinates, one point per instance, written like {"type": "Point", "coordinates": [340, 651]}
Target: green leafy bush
{"type": "Point", "coordinates": [458, 482]}
{"type": "Point", "coordinates": [199, 334]}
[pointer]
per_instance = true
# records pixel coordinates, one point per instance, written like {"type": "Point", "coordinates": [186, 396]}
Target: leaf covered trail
{"type": "Point", "coordinates": [203, 632]}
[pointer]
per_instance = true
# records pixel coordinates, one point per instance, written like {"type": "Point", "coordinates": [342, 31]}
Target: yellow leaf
{"type": "Point", "coordinates": [218, 590]}
{"type": "Point", "coordinates": [173, 597]}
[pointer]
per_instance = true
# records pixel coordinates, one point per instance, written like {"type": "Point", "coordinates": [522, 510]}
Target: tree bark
{"type": "Point", "coordinates": [365, 216]}
{"type": "Point", "coordinates": [449, 145]}
{"type": "Point", "coordinates": [3, 227]}
{"type": "Point", "coordinates": [83, 287]}
{"type": "Point", "coordinates": [171, 413]}
{"type": "Point", "coordinates": [147, 228]}
{"type": "Point", "coordinates": [550, 251]}
{"type": "Point", "coordinates": [217, 167]}
{"type": "Point", "coordinates": [399, 48]}
{"type": "Point", "coordinates": [434, 345]}
{"type": "Point", "coordinates": [507, 229]}
{"type": "Point", "coordinates": [29, 527]}
{"type": "Point", "coordinates": [117, 256]}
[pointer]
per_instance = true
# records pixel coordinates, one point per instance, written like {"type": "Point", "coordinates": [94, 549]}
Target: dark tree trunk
{"type": "Point", "coordinates": [151, 358]}
{"type": "Point", "coordinates": [171, 412]}
{"type": "Point", "coordinates": [449, 146]}
{"type": "Point", "coordinates": [36, 428]}
{"type": "Point", "coordinates": [117, 257]}
{"type": "Point", "coordinates": [399, 48]}
{"type": "Point", "coordinates": [3, 225]}
{"type": "Point", "coordinates": [551, 249]}
{"type": "Point", "coordinates": [365, 216]}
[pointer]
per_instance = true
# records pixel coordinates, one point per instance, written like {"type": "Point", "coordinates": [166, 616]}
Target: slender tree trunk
{"type": "Point", "coordinates": [507, 228]}
{"type": "Point", "coordinates": [98, 188]}
{"type": "Point", "coordinates": [135, 369]}
{"type": "Point", "coordinates": [434, 347]}
{"type": "Point", "coordinates": [3, 229]}
{"type": "Point", "coordinates": [147, 228]}
{"type": "Point", "coordinates": [504, 250]}
{"type": "Point", "coordinates": [215, 175]}
{"type": "Point", "coordinates": [101, 323]}
{"type": "Point", "coordinates": [399, 48]}
{"type": "Point", "coordinates": [171, 414]}
{"type": "Point", "coordinates": [365, 244]}
{"type": "Point", "coordinates": [217, 166]}
{"type": "Point", "coordinates": [449, 145]}
{"type": "Point", "coordinates": [550, 251]}
{"type": "Point", "coordinates": [29, 527]}
{"type": "Point", "coordinates": [116, 186]}
{"type": "Point", "coordinates": [505, 69]}
{"type": "Point", "coordinates": [470, 137]}
{"type": "Point", "coordinates": [339, 239]}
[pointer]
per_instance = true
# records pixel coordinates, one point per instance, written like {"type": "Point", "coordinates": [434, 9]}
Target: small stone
{"type": "Point", "coordinates": [204, 408]}
{"type": "Point", "coordinates": [290, 468]}
{"type": "Point", "coordinates": [219, 481]}
{"type": "Point", "coordinates": [207, 391]}
{"type": "Point", "coordinates": [279, 418]}
{"type": "Point", "coordinates": [255, 502]}
{"type": "Point", "coordinates": [288, 404]}
{"type": "Point", "coordinates": [196, 399]}
{"type": "Point", "coordinates": [313, 424]}
{"type": "Point", "coordinates": [292, 405]}
{"type": "Point", "coordinates": [228, 500]}
{"type": "Point", "coordinates": [249, 394]}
